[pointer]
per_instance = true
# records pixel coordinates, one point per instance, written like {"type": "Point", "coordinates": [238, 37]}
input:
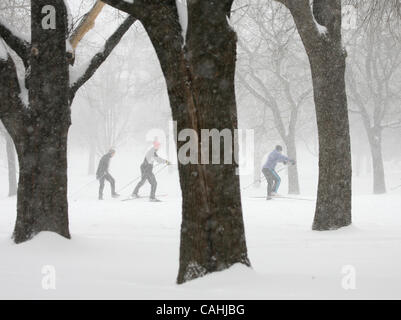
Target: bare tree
{"type": "Point", "coordinates": [373, 75]}
{"type": "Point", "coordinates": [320, 32]}
{"type": "Point", "coordinates": [200, 81]}
{"type": "Point", "coordinates": [274, 73]}
{"type": "Point", "coordinates": [35, 109]}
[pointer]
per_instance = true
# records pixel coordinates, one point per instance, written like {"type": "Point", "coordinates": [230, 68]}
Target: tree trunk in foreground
{"type": "Point", "coordinates": [320, 32]}
{"type": "Point", "coordinates": [12, 166]}
{"type": "Point", "coordinates": [200, 83]}
{"type": "Point", "coordinates": [333, 207]}
{"type": "Point", "coordinates": [213, 237]}
{"type": "Point", "coordinates": [42, 190]}
{"type": "Point", "coordinates": [40, 129]}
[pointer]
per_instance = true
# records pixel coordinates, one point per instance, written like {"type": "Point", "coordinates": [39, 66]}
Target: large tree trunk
{"type": "Point", "coordinates": [213, 239]}
{"type": "Point", "coordinates": [333, 207]}
{"type": "Point", "coordinates": [42, 189]}
{"type": "Point", "coordinates": [42, 152]}
{"type": "Point", "coordinates": [12, 169]}
{"type": "Point", "coordinates": [200, 83]}
{"type": "Point", "coordinates": [375, 142]}
{"type": "Point", "coordinates": [327, 59]}
{"type": "Point", "coordinates": [293, 181]}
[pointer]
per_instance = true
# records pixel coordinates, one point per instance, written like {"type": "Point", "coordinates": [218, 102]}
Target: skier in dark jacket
{"type": "Point", "coordinates": [147, 171]}
{"type": "Point", "coordinates": [273, 179]}
{"type": "Point", "coordinates": [103, 174]}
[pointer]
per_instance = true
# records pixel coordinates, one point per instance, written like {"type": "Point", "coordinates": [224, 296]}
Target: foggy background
{"type": "Point", "coordinates": [127, 96]}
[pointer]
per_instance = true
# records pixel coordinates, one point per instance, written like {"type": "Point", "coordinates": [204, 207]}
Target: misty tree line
{"type": "Point", "coordinates": [199, 73]}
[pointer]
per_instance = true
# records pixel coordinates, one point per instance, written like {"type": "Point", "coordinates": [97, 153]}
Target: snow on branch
{"type": "Point", "coordinates": [83, 75]}
{"type": "Point", "coordinates": [15, 41]}
{"type": "Point", "coordinates": [182, 9]}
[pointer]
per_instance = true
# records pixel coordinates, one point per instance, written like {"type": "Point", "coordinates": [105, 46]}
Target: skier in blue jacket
{"type": "Point", "coordinates": [273, 179]}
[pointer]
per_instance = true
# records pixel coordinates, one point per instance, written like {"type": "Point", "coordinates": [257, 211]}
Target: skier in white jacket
{"type": "Point", "coordinates": [147, 171]}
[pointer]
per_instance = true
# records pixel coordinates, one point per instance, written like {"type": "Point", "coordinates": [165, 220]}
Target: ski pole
{"type": "Point", "coordinates": [132, 181]}
{"type": "Point", "coordinates": [260, 180]}
{"type": "Point", "coordinates": [250, 185]}
{"type": "Point", "coordinates": [396, 187]}
{"type": "Point", "coordinates": [82, 188]}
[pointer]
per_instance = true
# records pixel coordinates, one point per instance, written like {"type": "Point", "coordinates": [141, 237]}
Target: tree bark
{"type": "Point", "coordinates": [200, 84]}
{"type": "Point", "coordinates": [12, 166]}
{"type": "Point", "coordinates": [327, 60]}
{"type": "Point", "coordinates": [333, 207]}
{"type": "Point", "coordinates": [42, 189]}
{"type": "Point", "coordinates": [212, 238]}
{"type": "Point", "coordinates": [40, 129]}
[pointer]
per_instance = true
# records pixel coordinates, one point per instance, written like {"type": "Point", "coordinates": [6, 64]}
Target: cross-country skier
{"type": "Point", "coordinates": [147, 171]}
{"type": "Point", "coordinates": [103, 174]}
{"type": "Point", "coordinates": [273, 179]}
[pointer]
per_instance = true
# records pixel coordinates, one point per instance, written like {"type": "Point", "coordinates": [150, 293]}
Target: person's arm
{"type": "Point", "coordinates": [283, 158]}
{"type": "Point", "coordinates": [159, 159]}
{"type": "Point", "coordinates": [100, 169]}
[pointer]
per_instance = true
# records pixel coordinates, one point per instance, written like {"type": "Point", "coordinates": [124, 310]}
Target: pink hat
{"type": "Point", "coordinates": [156, 144]}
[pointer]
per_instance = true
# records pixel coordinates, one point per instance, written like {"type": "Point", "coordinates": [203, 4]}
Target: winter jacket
{"type": "Point", "coordinates": [274, 158]}
{"type": "Point", "coordinates": [150, 157]}
{"type": "Point", "coordinates": [103, 167]}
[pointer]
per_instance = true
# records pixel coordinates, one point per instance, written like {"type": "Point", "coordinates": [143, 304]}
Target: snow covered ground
{"type": "Point", "coordinates": [129, 250]}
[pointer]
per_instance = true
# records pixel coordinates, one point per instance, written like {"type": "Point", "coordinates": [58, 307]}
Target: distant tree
{"type": "Point", "coordinates": [274, 72]}
{"type": "Point", "coordinates": [373, 79]}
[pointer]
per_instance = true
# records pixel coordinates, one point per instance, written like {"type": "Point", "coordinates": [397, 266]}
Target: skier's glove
{"type": "Point", "coordinates": [293, 162]}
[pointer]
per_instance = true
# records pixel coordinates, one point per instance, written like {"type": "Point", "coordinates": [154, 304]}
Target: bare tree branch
{"type": "Point", "coordinates": [86, 24]}
{"type": "Point", "coordinates": [120, 5]}
{"type": "Point", "coordinates": [100, 57]}
{"type": "Point", "coordinates": [20, 46]}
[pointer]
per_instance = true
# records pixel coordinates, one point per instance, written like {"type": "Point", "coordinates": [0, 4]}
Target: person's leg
{"type": "Point", "coordinates": [269, 179]}
{"type": "Point", "coordinates": [140, 183]}
{"type": "Point", "coordinates": [153, 184]}
{"type": "Point", "coordinates": [277, 181]}
{"type": "Point", "coordinates": [112, 182]}
{"type": "Point", "coordinates": [101, 187]}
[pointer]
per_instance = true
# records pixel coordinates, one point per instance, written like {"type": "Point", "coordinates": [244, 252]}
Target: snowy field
{"type": "Point", "coordinates": [129, 250]}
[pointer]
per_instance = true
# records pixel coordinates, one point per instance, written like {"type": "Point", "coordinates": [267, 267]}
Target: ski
{"type": "Point", "coordinates": [284, 197]}
{"type": "Point", "coordinates": [144, 197]}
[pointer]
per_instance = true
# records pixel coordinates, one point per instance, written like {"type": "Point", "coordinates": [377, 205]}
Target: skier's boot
{"type": "Point", "coordinates": [154, 200]}
{"type": "Point", "coordinates": [115, 195]}
{"type": "Point", "coordinates": [268, 198]}
{"type": "Point", "coordinates": [134, 196]}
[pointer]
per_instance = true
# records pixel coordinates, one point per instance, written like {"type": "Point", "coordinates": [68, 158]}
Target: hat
{"type": "Point", "coordinates": [156, 144]}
